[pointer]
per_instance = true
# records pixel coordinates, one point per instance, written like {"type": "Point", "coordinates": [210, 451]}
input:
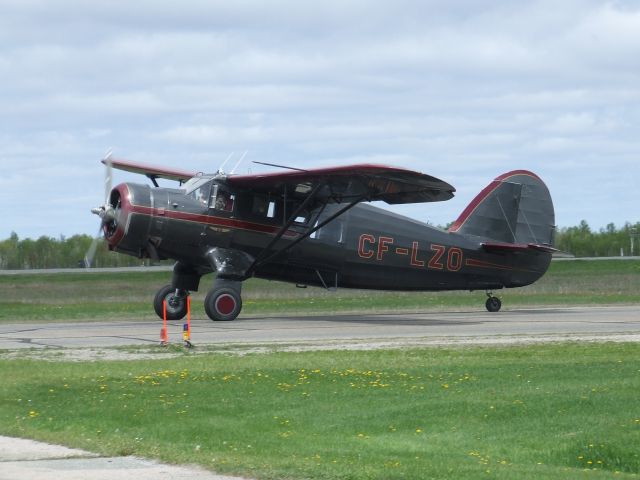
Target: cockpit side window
{"type": "Point", "coordinates": [221, 199]}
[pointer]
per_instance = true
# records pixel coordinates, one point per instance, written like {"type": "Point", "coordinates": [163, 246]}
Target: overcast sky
{"type": "Point", "coordinates": [462, 90]}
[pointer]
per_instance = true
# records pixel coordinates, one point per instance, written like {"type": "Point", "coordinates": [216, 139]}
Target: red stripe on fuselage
{"type": "Point", "coordinates": [472, 262]}
{"type": "Point", "coordinates": [209, 220]}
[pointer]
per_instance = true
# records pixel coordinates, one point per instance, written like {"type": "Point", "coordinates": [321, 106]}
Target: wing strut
{"type": "Point", "coordinates": [260, 260]}
{"type": "Point", "coordinates": [284, 228]}
{"type": "Point", "coordinates": [154, 180]}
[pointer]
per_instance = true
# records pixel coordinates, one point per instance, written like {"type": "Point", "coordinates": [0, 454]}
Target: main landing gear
{"type": "Point", "coordinates": [493, 304]}
{"type": "Point", "coordinates": [223, 303]}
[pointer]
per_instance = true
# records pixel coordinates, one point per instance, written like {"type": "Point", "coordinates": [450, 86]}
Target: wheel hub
{"type": "Point", "coordinates": [225, 304]}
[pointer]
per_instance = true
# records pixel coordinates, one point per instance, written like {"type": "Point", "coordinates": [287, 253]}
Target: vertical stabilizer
{"type": "Point", "coordinates": [515, 208]}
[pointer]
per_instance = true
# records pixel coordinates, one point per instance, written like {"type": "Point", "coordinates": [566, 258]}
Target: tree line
{"type": "Point", "coordinates": [48, 252]}
{"type": "Point", "coordinates": [610, 241]}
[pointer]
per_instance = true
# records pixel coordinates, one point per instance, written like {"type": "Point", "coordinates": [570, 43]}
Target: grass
{"type": "Point", "coordinates": [101, 296]}
{"type": "Point", "coordinates": [555, 411]}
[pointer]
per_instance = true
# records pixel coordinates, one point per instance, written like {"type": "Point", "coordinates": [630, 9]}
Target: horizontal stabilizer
{"type": "Point", "coordinates": [515, 247]}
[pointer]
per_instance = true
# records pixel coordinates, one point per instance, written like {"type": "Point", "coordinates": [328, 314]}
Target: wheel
{"type": "Point", "coordinates": [176, 305]}
{"type": "Point", "coordinates": [223, 304]}
{"type": "Point", "coordinates": [493, 304]}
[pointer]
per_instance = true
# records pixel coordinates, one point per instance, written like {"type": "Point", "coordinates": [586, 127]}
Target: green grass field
{"type": "Point", "coordinates": [560, 411]}
{"type": "Point", "coordinates": [100, 296]}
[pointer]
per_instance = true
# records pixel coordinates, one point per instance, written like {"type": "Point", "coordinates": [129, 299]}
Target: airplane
{"type": "Point", "coordinates": [315, 227]}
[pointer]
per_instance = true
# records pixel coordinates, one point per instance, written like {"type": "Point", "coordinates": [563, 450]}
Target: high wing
{"type": "Point", "coordinates": [365, 182]}
{"type": "Point", "coordinates": [151, 171]}
{"type": "Point", "coordinates": [348, 183]}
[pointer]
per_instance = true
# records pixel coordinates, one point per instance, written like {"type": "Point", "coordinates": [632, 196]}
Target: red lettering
{"type": "Point", "coordinates": [365, 251]}
{"type": "Point", "coordinates": [414, 256]}
{"type": "Point", "coordinates": [435, 262]}
{"type": "Point", "coordinates": [382, 246]}
{"type": "Point", "coordinates": [454, 259]}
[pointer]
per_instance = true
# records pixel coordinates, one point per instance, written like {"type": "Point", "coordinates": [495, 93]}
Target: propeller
{"type": "Point", "coordinates": [106, 211]}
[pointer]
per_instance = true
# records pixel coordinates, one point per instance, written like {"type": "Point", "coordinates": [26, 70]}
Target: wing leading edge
{"type": "Point", "coordinates": [343, 184]}
{"type": "Point", "coordinates": [151, 171]}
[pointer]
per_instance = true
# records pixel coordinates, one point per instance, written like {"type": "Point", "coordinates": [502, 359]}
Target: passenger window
{"type": "Point", "coordinates": [271, 210]}
{"type": "Point", "coordinates": [260, 206]}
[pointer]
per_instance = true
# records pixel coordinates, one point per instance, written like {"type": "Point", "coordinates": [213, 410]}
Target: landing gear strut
{"type": "Point", "coordinates": [223, 302]}
{"type": "Point", "coordinates": [493, 304]}
{"type": "Point", "coordinates": [176, 302]}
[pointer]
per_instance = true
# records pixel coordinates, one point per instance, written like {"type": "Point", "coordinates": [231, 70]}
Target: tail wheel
{"type": "Point", "coordinates": [223, 304]}
{"type": "Point", "coordinates": [493, 304]}
{"type": "Point", "coordinates": [176, 304]}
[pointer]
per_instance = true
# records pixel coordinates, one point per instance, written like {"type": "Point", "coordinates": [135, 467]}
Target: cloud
{"type": "Point", "coordinates": [462, 90]}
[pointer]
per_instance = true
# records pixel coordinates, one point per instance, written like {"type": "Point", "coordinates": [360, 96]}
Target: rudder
{"type": "Point", "coordinates": [514, 208]}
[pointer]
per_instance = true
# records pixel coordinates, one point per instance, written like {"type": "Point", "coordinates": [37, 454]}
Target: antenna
{"type": "Point", "coordinates": [281, 166]}
{"type": "Point", "coordinates": [239, 161]}
{"type": "Point", "coordinates": [220, 171]}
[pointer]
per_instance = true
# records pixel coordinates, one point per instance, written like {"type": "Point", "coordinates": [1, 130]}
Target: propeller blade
{"type": "Point", "coordinates": [91, 253]}
{"type": "Point", "coordinates": [108, 175]}
{"type": "Point", "coordinates": [105, 211]}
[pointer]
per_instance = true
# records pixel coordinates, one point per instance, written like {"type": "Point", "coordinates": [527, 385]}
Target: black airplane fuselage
{"type": "Point", "coordinates": [366, 247]}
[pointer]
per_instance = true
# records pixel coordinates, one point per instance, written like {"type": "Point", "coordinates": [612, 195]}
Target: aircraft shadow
{"type": "Point", "coordinates": [373, 319]}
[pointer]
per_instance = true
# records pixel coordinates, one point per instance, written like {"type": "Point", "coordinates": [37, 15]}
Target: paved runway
{"type": "Point", "coordinates": [619, 322]}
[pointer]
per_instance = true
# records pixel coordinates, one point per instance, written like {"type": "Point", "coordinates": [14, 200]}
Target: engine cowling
{"type": "Point", "coordinates": [127, 231]}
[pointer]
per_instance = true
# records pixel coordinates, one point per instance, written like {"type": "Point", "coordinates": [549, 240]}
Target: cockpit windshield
{"type": "Point", "coordinates": [198, 188]}
{"type": "Point", "coordinates": [194, 184]}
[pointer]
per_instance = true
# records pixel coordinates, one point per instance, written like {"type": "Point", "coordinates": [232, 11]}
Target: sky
{"type": "Point", "coordinates": [459, 89]}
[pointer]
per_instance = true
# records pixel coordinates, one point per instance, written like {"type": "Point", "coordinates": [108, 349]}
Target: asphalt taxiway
{"type": "Point", "coordinates": [540, 324]}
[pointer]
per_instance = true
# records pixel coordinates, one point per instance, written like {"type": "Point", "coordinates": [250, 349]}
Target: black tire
{"type": "Point", "coordinates": [176, 306]}
{"type": "Point", "coordinates": [222, 304]}
{"type": "Point", "coordinates": [493, 304]}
